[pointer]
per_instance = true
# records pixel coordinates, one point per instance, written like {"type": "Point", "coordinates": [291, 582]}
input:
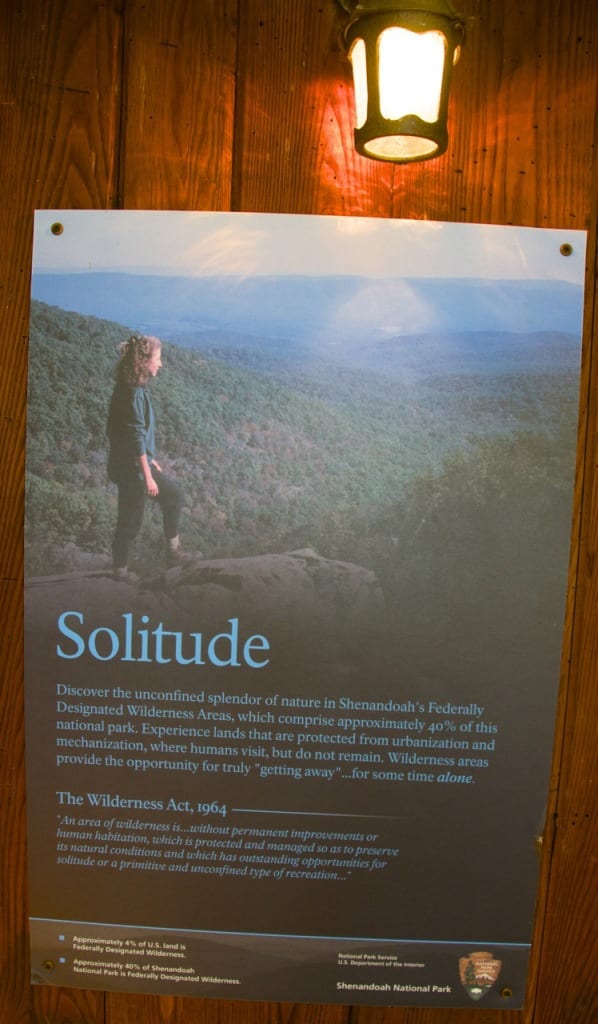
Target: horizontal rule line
{"type": "Point", "coordinates": [279, 935]}
{"type": "Point", "coordinates": [315, 814]}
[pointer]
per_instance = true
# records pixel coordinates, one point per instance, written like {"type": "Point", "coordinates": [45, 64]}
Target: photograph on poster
{"type": "Point", "coordinates": [298, 509]}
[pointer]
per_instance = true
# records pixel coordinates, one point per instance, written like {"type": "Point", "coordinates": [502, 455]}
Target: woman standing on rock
{"type": "Point", "coordinates": [131, 463]}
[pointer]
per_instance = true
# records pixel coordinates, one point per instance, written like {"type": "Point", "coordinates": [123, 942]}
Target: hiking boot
{"type": "Point", "coordinates": [177, 557]}
{"type": "Point", "coordinates": [124, 575]}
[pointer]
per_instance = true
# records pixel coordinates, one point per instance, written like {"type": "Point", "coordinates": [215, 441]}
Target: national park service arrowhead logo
{"type": "Point", "coordinates": [478, 972]}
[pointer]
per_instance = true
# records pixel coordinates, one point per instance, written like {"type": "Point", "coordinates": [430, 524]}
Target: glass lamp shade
{"type": "Point", "coordinates": [402, 63]}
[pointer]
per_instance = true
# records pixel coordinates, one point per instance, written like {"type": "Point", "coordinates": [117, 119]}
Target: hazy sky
{"type": "Point", "coordinates": [198, 244]}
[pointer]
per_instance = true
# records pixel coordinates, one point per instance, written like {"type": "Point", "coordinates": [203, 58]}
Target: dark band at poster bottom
{"type": "Point", "coordinates": [295, 968]}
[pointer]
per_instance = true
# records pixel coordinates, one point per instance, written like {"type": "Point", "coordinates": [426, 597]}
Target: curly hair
{"type": "Point", "coordinates": [135, 354]}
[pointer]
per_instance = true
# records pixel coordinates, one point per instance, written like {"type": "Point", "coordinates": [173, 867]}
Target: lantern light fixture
{"type": "Point", "coordinates": [402, 53]}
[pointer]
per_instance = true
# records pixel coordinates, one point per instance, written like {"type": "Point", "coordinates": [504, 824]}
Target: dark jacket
{"type": "Point", "coordinates": [131, 431]}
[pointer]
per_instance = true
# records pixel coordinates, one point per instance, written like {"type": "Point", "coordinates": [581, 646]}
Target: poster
{"type": "Point", "coordinates": [309, 760]}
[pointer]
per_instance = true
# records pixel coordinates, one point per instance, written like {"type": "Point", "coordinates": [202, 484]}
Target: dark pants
{"type": "Point", "coordinates": [131, 504]}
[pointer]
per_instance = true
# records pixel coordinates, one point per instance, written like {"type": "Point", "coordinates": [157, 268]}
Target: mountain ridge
{"type": "Point", "coordinates": [314, 309]}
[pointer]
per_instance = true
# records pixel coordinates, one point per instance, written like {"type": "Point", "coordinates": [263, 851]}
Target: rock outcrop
{"type": "Point", "coordinates": [298, 598]}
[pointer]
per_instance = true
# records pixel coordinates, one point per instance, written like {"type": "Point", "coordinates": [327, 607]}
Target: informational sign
{"type": "Point", "coordinates": [299, 495]}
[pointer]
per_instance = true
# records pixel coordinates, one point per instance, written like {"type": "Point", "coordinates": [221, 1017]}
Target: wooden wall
{"type": "Point", "coordinates": [246, 105]}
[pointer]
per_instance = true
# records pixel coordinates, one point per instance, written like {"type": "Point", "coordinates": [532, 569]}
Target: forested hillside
{"type": "Point", "coordinates": [277, 452]}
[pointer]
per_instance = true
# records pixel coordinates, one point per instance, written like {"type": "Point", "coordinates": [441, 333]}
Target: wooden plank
{"type": "Point", "coordinates": [524, 98]}
{"type": "Point", "coordinates": [179, 105]}
{"type": "Point", "coordinates": [519, 119]}
{"type": "Point", "coordinates": [471, 1015]}
{"type": "Point", "coordinates": [564, 978]}
{"type": "Point", "coordinates": [66, 1006]}
{"type": "Point", "coordinates": [58, 123]}
{"type": "Point", "coordinates": [294, 138]}
{"type": "Point", "coordinates": [568, 978]}
{"type": "Point", "coordinates": [518, 115]}
{"type": "Point", "coordinates": [171, 1009]}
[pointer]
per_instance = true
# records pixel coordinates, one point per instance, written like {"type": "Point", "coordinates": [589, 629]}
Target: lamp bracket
{"type": "Point", "coordinates": [358, 7]}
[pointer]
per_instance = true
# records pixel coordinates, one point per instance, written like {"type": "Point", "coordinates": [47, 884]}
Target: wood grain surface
{"type": "Point", "coordinates": [247, 105]}
{"type": "Point", "coordinates": [179, 82]}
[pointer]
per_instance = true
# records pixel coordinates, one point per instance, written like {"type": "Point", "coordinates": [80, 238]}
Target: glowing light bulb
{"type": "Point", "coordinates": [410, 70]}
